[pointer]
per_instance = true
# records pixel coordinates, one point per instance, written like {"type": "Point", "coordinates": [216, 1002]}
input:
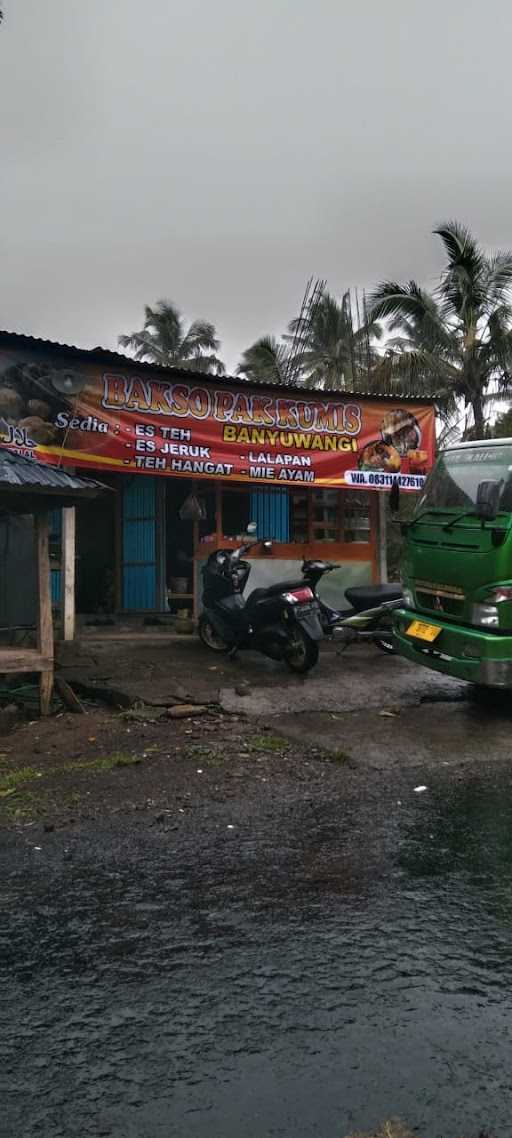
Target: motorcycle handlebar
{"type": "Point", "coordinates": [236, 554]}
{"type": "Point", "coordinates": [232, 556]}
{"type": "Point", "coordinates": [329, 565]}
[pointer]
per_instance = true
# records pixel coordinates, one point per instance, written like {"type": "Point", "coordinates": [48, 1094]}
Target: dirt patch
{"type": "Point", "coordinates": [398, 1130]}
{"type": "Point", "coordinates": [70, 768]}
{"type": "Point", "coordinates": [387, 1130]}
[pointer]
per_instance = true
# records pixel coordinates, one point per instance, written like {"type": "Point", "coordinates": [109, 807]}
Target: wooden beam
{"type": "Point", "coordinates": [45, 692]}
{"type": "Point", "coordinates": [68, 573]}
{"type": "Point", "coordinates": [44, 608]}
{"type": "Point", "coordinates": [23, 660]}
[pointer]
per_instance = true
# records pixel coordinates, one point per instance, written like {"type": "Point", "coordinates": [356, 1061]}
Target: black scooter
{"type": "Point", "coordinates": [370, 617]}
{"type": "Point", "coordinates": [282, 621]}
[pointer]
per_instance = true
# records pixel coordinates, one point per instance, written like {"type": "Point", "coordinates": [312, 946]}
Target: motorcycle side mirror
{"type": "Point", "coordinates": [394, 498]}
{"type": "Point", "coordinates": [252, 528]}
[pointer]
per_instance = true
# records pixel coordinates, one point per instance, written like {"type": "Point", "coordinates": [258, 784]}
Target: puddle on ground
{"type": "Point", "coordinates": [311, 979]}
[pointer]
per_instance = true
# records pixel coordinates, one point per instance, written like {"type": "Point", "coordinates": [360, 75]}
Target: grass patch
{"type": "Point", "coordinates": [11, 781]}
{"type": "Point", "coordinates": [19, 802]}
{"type": "Point", "coordinates": [338, 756]}
{"type": "Point", "coordinates": [24, 806]}
{"type": "Point", "coordinates": [200, 751]}
{"type": "Point", "coordinates": [103, 763]}
{"type": "Point", "coordinates": [267, 743]}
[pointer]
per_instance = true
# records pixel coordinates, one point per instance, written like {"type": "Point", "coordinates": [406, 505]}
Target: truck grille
{"type": "Point", "coordinates": [440, 598]}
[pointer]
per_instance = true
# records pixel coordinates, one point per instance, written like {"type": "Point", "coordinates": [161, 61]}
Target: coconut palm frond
{"type": "Point", "coordinates": [336, 352]}
{"type": "Point", "coordinates": [464, 281]}
{"type": "Point", "coordinates": [201, 337]}
{"type": "Point", "coordinates": [265, 361]}
{"type": "Point", "coordinates": [499, 279]}
{"type": "Point", "coordinates": [456, 342]}
{"type": "Point", "coordinates": [390, 299]}
{"type": "Point", "coordinates": [164, 340]}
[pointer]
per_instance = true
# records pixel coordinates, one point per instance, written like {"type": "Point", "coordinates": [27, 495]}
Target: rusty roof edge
{"type": "Point", "coordinates": [108, 356]}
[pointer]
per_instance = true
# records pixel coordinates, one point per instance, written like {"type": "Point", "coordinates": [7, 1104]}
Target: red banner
{"type": "Point", "coordinates": [87, 417]}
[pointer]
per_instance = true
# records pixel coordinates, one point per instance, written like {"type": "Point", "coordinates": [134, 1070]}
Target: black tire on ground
{"type": "Point", "coordinates": [386, 644]}
{"type": "Point", "coordinates": [302, 652]}
{"type": "Point", "coordinates": [209, 637]}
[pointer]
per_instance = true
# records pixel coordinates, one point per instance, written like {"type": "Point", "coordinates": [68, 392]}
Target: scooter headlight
{"type": "Point", "coordinates": [408, 600]}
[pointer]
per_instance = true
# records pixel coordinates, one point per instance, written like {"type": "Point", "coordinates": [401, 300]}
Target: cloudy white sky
{"type": "Point", "coordinates": [219, 152]}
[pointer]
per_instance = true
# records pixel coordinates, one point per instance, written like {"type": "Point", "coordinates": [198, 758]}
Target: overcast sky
{"type": "Point", "coordinates": [219, 152]}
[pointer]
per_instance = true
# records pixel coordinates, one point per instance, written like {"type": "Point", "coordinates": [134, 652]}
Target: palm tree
{"type": "Point", "coordinates": [456, 342]}
{"type": "Point", "coordinates": [502, 426]}
{"type": "Point", "coordinates": [165, 340]}
{"type": "Point", "coordinates": [266, 361]}
{"type": "Point", "coordinates": [335, 352]}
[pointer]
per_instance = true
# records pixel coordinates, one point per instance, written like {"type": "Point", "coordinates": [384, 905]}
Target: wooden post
{"type": "Point", "coordinates": [44, 610]}
{"type": "Point", "coordinates": [68, 572]}
{"type": "Point", "coordinates": [382, 537]}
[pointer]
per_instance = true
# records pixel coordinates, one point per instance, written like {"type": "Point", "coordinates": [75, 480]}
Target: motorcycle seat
{"type": "Point", "coordinates": [363, 597]}
{"type": "Point", "coordinates": [271, 590]}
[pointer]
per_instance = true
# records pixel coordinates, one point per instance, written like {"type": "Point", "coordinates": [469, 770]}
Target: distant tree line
{"type": "Point", "coordinates": [453, 343]}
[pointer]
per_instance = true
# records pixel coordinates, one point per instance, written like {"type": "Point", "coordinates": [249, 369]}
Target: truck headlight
{"type": "Point", "coordinates": [486, 615]}
{"type": "Point", "coordinates": [500, 594]}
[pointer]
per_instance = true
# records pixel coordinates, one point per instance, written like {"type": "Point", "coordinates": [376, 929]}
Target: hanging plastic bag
{"type": "Point", "coordinates": [193, 509]}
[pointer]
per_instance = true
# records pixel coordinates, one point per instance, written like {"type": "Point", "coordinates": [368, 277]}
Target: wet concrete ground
{"type": "Point", "coordinates": [314, 950]}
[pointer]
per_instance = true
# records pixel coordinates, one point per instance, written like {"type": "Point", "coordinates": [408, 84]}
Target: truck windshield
{"type": "Point", "coordinates": [454, 480]}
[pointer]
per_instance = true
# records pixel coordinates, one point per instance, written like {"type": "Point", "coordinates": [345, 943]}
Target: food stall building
{"type": "Point", "coordinates": [194, 459]}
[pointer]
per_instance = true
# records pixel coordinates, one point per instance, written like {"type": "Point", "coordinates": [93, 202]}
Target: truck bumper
{"type": "Point", "coordinates": [469, 654]}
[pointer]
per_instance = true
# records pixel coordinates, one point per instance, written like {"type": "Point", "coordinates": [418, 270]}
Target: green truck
{"type": "Point", "coordinates": [457, 569]}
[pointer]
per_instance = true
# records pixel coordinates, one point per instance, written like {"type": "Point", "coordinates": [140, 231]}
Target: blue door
{"type": "Point", "coordinates": [56, 554]}
{"type": "Point", "coordinates": [139, 543]}
{"type": "Point", "coordinates": [270, 509]}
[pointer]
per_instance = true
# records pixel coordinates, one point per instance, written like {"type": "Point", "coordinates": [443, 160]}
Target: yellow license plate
{"type": "Point", "coordinates": [423, 631]}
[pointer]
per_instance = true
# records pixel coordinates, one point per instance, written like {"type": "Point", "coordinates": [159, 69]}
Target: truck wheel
{"type": "Point", "coordinates": [301, 652]}
{"type": "Point", "coordinates": [210, 637]}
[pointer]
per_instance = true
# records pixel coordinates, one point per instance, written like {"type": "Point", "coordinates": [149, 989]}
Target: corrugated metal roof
{"type": "Point", "coordinates": [19, 472]}
{"type": "Point", "coordinates": [99, 353]}
{"type": "Point", "coordinates": [105, 355]}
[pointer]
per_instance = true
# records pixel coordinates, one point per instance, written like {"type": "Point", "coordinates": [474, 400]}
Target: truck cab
{"type": "Point", "coordinates": [457, 569]}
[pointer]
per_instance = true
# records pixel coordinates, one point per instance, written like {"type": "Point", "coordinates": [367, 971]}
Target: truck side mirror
{"type": "Point", "coordinates": [394, 498]}
{"type": "Point", "coordinates": [488, 499]}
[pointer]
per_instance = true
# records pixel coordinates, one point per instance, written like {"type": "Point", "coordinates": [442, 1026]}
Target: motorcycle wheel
{"type": "Point", "coordinates": [301, 653]}
{"type": "Point", "coordinates": [386, 644]}
{"type": "Point", "coordinates": [209, 637]}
